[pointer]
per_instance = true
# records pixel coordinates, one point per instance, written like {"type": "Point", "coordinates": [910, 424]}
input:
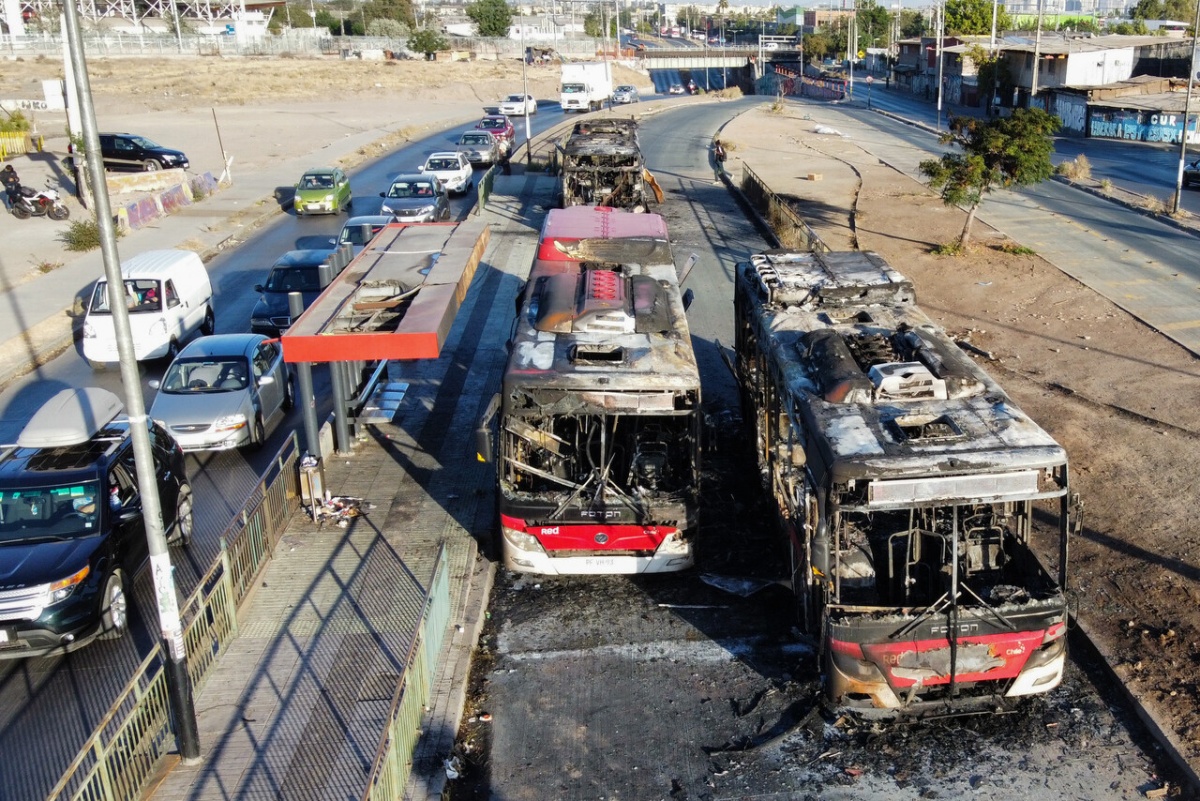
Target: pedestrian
{"type": "Point", "coordinates": [505, 161]}
{"type": "Point", "coordinates": [12, 184]}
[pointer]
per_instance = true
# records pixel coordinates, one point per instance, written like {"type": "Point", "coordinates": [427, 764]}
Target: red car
{"type": "Point", "coordinates": [500, 127]}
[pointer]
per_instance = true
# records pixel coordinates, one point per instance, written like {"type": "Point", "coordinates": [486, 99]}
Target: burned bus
{"type": "Point", "coordinates": [602, 166]}
{"type": "Point", "coordinates": [911, 490]}
{"type": "Point", "coordinates": [597, 425]}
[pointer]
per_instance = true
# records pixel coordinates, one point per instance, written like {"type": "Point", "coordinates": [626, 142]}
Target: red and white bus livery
{"type": "Point", "coordinates": [597, 439]}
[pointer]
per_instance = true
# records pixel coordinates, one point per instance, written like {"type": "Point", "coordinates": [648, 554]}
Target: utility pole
{"type": "Point", "coordinates": [941, 35]}
{"type": "Point", "coordinates": [179, 685]}
{"type": "Point", "coordinates": [1037, 55]}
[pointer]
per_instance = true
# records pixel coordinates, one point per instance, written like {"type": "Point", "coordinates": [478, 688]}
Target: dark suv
{"type": "Point", "coordinates": [123, 151]}
{"type": "Point", "coordinates": [71, 532]}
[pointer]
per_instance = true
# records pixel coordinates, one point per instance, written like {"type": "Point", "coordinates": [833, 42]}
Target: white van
{"type": "Point", "coordinates": [169, 298]}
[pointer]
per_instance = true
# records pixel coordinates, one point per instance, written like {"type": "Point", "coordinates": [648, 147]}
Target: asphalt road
{"type": "Point", "coordinates": [662, 687]}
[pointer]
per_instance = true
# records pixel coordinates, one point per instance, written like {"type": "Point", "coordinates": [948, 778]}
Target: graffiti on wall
{"type": "Point", "coordinates": [1073, 113]}
{"type": "Point", "coordinates": [1141, 126]}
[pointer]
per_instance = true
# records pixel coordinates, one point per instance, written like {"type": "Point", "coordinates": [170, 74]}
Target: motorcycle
{"type": "Point", "coordinates": [34, 203]}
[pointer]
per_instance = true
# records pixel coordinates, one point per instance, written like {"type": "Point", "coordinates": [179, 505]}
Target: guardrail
{"type": "Point", "coordinates": [393, 759]}
{"type": "Point", "coordinates": [135, 735]}
{"type": "Point", "coordinates": [792, 231]}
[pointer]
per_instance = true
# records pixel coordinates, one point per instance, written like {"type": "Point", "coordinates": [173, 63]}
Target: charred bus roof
{"type": "Point", "coordinates": [605, 313]}
{"type": "Point", "coordinates": [885, 391]}
{"type": "Point", "coordinates": [607, 138]}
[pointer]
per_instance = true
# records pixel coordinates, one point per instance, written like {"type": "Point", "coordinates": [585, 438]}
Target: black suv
{"type": "Point", "coordinates": [294, 271]}
{"type": "Point", "coordinates": [122, 151]}
{"type": "Point", "coordinates": [71, 532]}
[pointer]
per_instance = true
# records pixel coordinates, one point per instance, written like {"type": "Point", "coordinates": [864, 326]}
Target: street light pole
{"type": "Point", "coordinates": [941, 35]}
{"type": "Point", "coordinates": [525, 96]}
{"type": "Point", "coordinates": [179, 686]}
{"type": "Point", "coordinates": [1187, 110]}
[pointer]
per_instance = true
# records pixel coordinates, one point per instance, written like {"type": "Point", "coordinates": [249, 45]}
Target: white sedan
{"type": "Point", "coordinates": [452, 169]}
{"type": "Point", "coordinates": [518, 105]}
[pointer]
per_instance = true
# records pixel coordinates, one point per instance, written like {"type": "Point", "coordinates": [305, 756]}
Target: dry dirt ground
{"type": "Point", "coordinates": [1119, 396]}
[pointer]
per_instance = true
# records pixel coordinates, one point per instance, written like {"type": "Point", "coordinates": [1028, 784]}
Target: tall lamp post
{"type": "Point", "coordinates": [525, 95]}
{"type": "Point", "coordinates": [179, 686]}
{"type": "Point", "coordinates": [941, 36]}
{"type": "Point", "coordinates": [1187, 110]}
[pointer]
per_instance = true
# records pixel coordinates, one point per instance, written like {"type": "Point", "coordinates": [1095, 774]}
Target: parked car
{"type": "Point", "coordinates": [125, 151]}
{"type": "Point", "coordinates": [294, 271]}
{"type": "Point", "coordinates": [1191, 174]}
{"type": "Point", "coordinates": [71, 525]}
{"type": "Point", "coordinates": [518, 105]}
{"type": "Point", "coordinates": [500, 127]}
{"type": "Point", "coordinates": [222, 392]}
{"type": "Point", "coordinates": [675, 89]}
{"type": "Point", "coordinates": [626, 94]}
{"type": "Point", "coordinates": [417, 197]}
{"type": "Point", "coordinates": [324, 190]}
{"type": "Point", "coordinates": [359, 231]}
{"type": "Point", "coordinates": [452, 169]}
{"type": "Point", "coordinates": [480, 146]}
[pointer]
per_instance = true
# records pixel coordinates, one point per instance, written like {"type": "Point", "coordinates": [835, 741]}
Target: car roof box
{"type": "Point", "coordinates": [71, 417]}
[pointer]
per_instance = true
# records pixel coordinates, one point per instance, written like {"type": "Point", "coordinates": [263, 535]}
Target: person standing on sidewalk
{"type": "Point", "coordinates": [12, 185]}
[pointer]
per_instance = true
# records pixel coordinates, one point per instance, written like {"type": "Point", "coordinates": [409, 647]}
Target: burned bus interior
{"type": "Point", "coordinates": [602, 166]}
{"type": "Point", "coordinates": [911, 488]}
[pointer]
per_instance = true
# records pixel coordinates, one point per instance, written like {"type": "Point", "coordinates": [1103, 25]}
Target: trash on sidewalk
{"type": "Point", "coordinates": [340, 509]}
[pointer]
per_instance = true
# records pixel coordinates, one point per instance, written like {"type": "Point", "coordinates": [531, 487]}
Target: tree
{"type": "Point", "coordinates": [874, 23]}
{"type": "Point", "coordinates": [491, 17]}
{"type": "Point", "coordinates": [974, 17]}
{"type": "Point", "coordinates": [913, 24]}
{"type": "Point", "coordinates": [1003, 152]}
{"type": "Point", "coordinates": [816, 45]}
{"type": "Point", "coordinates": [427, 40]}
{"type": "Point", "coordinates": [397, 10]}
{"type": "Point", "coordinates": [994, 77]}
{"type": "Point", "coordinates": [389, 28]}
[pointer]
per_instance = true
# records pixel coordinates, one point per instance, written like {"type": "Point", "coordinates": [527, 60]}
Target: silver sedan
{"type": "Point", "coordinates": [222, 392]}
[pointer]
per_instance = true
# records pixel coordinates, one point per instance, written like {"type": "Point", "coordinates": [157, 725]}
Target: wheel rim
{"type": "Point", "coordinates": [183, 518]}
{"type": "Point", "coordinates": [118, 606]}
{"type": "Point", "coordinates": [151, 166]}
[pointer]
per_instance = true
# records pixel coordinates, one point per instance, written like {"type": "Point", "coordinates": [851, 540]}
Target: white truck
{"type": "Point", "coordinates": [586, 85]}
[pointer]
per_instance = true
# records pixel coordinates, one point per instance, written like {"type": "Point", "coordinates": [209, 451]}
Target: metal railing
{"type": "Point", "coordinates": [135, 735]}
{"type": "Point", "coordinates": [791, 230]}
{"type": "Point", "coordinates": [484, 189]}
{"type": "Point", "coordinates": [394, 757]}
{"type": "Point", "coordinates": [18, 144]}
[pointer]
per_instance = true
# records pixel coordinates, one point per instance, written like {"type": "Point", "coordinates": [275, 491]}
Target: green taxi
{"type": "Point", "coordinates": [325, 190]}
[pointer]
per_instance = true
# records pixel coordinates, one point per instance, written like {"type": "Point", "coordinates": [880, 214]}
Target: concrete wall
{"type": "Point", "coordinates": [164, 201]}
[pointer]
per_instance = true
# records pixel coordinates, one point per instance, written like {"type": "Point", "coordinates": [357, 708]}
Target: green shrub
{"type": "Point", "coordinates": [14, 123]}
{"type": "Point", "coordinates": [84, 235]}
